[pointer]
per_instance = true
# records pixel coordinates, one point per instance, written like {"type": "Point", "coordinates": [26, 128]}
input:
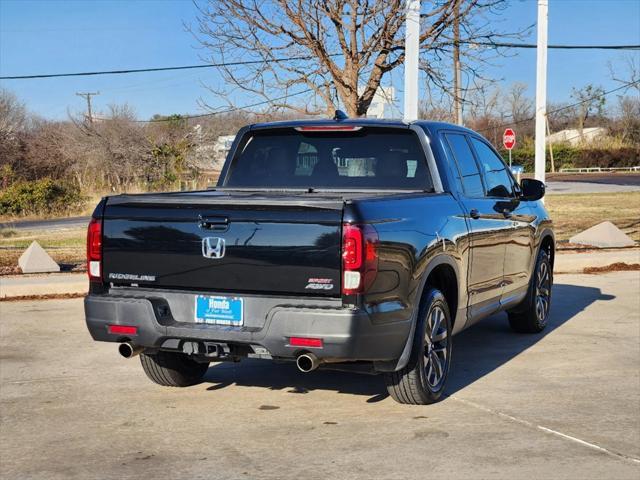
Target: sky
{"type": "Point", "coordinates": [52, 36]}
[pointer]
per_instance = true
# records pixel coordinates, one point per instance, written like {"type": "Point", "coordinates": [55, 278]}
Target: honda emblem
{"type": "Point", "coordinates": [213, 247]}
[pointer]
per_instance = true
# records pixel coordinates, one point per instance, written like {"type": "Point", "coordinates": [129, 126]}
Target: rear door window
{"type": "Point", "coordinates": [384, 158]}
{"type": "Point", "coordinates": [469, 174]}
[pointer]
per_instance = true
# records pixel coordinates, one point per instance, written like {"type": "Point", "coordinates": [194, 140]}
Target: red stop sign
{"type": "Point", "coordinates": [509, 139]}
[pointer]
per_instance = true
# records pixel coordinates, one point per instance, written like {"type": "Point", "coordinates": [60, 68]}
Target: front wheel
{"type": "Point", "coordinates": [422, 381]}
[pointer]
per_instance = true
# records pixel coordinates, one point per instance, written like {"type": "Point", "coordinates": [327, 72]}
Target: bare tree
{"type": "Point", "coordinates": [13, 125]}
{"type": "Point", "coordinates": [629, 118]}
{"type": "Point", "coordinates": [517, 103]}
{"type": "Point", "coordinates": [337, 50]}
{"type": "Point", "coordinates": [476, 41]}
{"type": "Point", "coordinates": [628, 73]}
{"type": "Point", "coordinates": [483, 109]}
{"type": "Point", "coordinates": [590, 100]}
{"type": "Point", "coordinates": [13, 114]}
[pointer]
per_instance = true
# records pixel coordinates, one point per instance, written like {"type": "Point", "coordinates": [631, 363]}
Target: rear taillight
{"type": "Point", "coordinates": [359, 257]}
{"type": "Point", "coordinates": [329, 128]}
{"type": "Point", "coordinates": [94, 249]}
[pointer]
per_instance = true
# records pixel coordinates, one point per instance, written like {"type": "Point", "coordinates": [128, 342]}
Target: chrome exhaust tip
{"type": "Point", "coordinates": [307, 362]}
{"type": "Point", "coordinates": [128, 350]}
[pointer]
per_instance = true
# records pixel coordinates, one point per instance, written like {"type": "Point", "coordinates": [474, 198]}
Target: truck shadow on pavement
{"type": "Point", "coordinates": [491, 343]}
{"type": "Point", "coordinates": [477, 352]}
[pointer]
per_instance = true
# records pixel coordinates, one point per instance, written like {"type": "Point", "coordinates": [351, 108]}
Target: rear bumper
{"type": "Point", "coordinates": [347, 334]}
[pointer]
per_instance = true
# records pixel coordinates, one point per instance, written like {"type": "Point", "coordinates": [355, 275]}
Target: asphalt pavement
{"type": "Point", "coordinates": [562, 404]}
{"type": "Point", "coordinates": [50, 224]}
{"type": "Point", "coordinates": [597, 182]}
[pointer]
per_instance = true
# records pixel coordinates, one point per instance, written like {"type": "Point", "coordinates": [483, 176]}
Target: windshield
{"type": "Point", "coordinates": [379, 158]}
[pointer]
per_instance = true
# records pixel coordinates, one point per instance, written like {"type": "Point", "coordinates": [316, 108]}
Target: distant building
{"type": "Point", "coordinates": [383, 104]}
{"type": "Point", "coordinates": [210, 154]}
{"type": "Point", "coordinates": [220, 149]}
{"type": "Point", "coordinates": [572, 136]}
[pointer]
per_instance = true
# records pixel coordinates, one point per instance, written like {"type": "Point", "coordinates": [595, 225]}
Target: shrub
{"type": "Point", "coordinates": [567, 156]}
{"type": "Point", "coordinates": [7, 233]}
{"type": "Point", "coordinates": [40, 197]}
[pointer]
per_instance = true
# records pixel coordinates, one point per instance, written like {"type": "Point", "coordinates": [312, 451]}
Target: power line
{"type": "Point", "coordinates": [157, 69]}
{"type": "Point", "coordinates": [308, 57]}
{"type": "Point", "coordinates": [564, 107]}
{"type": "Point", "coordinates": [229, 110]}
{"type": "Point", "coordinates": [557, 47]}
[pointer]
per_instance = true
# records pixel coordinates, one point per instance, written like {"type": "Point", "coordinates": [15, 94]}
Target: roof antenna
{"type": "Point", "coordinates": [340, 115]}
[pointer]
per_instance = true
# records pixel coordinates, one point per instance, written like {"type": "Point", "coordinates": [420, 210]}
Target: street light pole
{"type": "Point", "coordinates": [457, 97]}
{"type": "Point", "coordinates": [541, 89]}
{"type": "Point", "coordinates": [411, 57]}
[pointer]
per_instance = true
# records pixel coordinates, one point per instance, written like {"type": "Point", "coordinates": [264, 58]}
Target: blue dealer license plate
{"type": "Point", "coordinates": [219, 310]}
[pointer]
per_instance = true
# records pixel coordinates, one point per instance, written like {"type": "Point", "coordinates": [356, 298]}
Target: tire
{"type": "Point", "coordinates": [172, 369]}
{"type": "Point", "coordinates": [418, 383]}
{"type": "Point", "coordinates": [532, 315]}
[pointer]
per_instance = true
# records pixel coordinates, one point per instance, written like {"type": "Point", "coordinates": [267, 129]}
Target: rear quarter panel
{"type": "Point", "coordinates": [414, 232]}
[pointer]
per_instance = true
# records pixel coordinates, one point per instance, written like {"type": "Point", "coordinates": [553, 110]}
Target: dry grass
{"type": "Point", "coordinates": [65, 246]}
{"type": "Point", "coordinates": [572, 214]}
{"type": "Point", "coordinates": [614, 267]}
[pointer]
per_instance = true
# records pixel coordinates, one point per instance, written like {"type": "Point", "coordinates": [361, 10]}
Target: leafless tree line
{"type": "Point", "coordinates": [489, 108]}
{"type": "Point", "coordinates": [117, 152]}
{"type": "Point", "coordinates": [113, 152]}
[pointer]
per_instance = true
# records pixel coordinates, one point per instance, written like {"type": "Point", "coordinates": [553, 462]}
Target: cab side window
{"type": "Point", "coordinates": [497, 178]}
{"type": "Point", "coordinates": [467, 167]}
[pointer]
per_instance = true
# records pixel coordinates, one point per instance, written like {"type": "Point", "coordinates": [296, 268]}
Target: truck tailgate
{"type": "Point", "coordinates": [223, 242]}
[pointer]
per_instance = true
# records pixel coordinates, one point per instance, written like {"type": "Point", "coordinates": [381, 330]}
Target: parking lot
{"type": "Point", "coordinates": [564, 404]}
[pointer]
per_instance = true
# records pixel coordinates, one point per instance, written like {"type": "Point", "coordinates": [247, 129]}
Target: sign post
{"type": "Point", "coordinates": [509, 141]}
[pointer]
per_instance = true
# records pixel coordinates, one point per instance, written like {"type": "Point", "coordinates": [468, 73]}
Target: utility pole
{"type": "Point", "coordinates": [411, 57]}
{"type": "Point", "coordinates": [87, 96]}
{"type": "Point", "coordinates": [541, 89]}
{"type": "Point", "coordinates": [457, 97]}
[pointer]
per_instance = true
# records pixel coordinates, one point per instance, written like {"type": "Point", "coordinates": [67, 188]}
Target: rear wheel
{"type": "Point", "coordinates": [422, 381]}
{"type": "Point", "coordinates": [172, 369]}
{"type": "Point", "coordinates": [532, 314]}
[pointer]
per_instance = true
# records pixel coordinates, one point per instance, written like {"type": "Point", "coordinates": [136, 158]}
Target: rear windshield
{"type": "Point", "coordinates": [369, 158]}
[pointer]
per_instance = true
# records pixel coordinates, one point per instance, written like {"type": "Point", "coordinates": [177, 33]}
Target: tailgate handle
{"type": "Point", "coordinates": [213, 223]}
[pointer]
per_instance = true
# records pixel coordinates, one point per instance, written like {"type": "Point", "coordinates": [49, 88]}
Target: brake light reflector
{"type": "Point", "coordinates": [94, 249]}
{"type": "Point", "coordinates": [305, 342]}
{"type": "Point", "coordinates": [359, 257]}
{"type": "Point", "coordinates": [122, 329]}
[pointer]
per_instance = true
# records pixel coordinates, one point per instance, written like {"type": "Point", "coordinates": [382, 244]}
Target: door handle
{"type": "Point", "coordinates": [474, 213]}
{"type": "Point", "coordinates": [213, 223]}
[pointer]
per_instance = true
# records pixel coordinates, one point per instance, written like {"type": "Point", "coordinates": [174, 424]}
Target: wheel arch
{"type": "Point", "coordinates": [548, 243]}
{"type": "Point", "coordinates": [442, 273]}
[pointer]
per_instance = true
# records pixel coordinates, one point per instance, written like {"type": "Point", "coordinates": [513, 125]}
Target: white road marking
{"type": "Point", "coordinates": [548, 430]}
{"type": "Point", "coordinates": [38, 380]}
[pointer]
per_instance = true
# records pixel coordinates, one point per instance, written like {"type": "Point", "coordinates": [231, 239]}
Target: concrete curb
{"type": "Point", "coordinates": [576, 262]}
{"type": "Point", "coordinates": [14, 286]}
{"type": "Point", "coordinates": [36, 285]}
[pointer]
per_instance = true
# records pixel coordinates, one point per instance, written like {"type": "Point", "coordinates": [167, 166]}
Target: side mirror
{"type": "Point", "coordinates": [532, 189]}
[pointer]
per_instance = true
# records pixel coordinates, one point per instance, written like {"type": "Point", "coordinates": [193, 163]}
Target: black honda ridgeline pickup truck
{"type": "Point", "coordinates": [361, 244]}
